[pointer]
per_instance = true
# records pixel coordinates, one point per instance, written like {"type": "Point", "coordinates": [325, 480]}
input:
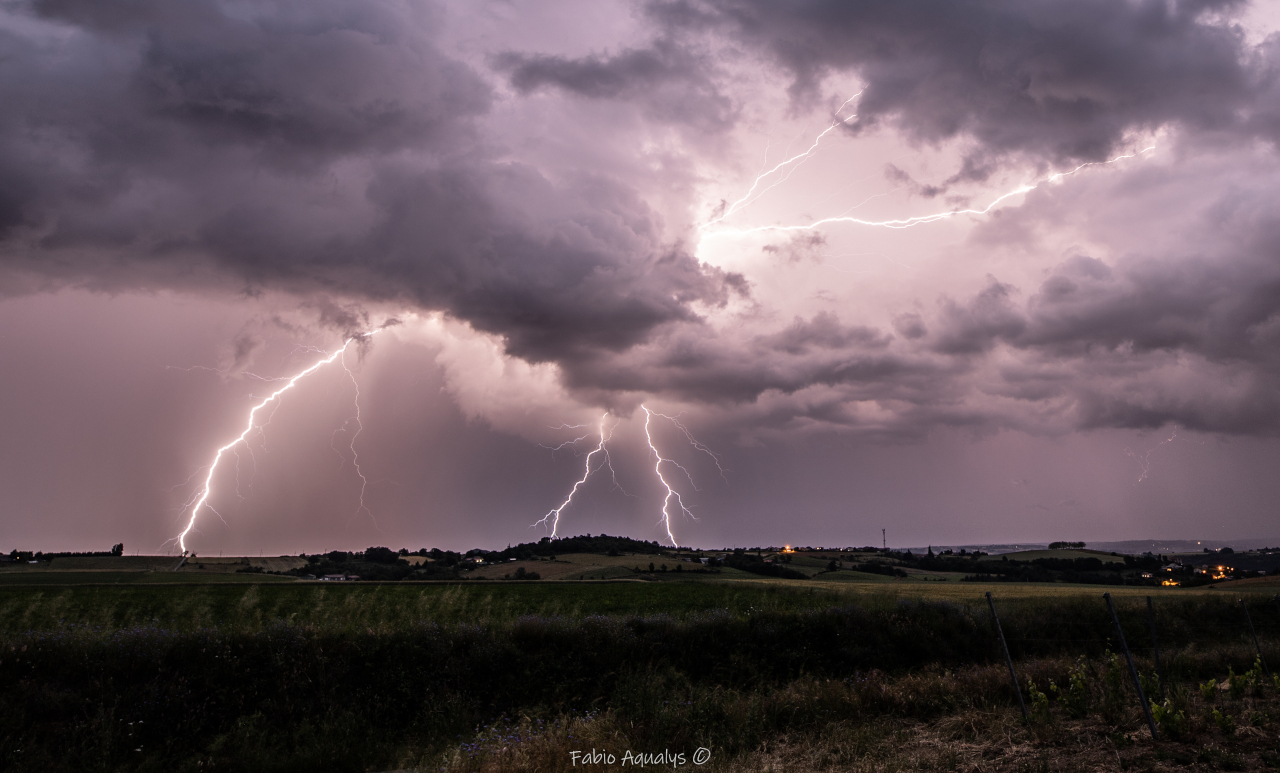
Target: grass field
{"type": "Point", "coordinates": [361, 606]}
{"type": "Point", "coordinates": [159, 564]}
{"type": "Point", "coordinates": [153, 670]}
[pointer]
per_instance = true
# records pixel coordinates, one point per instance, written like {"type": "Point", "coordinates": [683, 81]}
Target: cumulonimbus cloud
{"type": "Point", "coordinates": [336, 149]}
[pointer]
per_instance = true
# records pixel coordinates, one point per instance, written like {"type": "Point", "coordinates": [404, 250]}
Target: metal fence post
{"type": "Point", "coordinates": [1155, 644]}
{"type": "Point", "coordinates": [1254, 634]}
{"type": "Point", "coordinates": [1133, 671]}
{"type": "Point", "coordinates": [1013, 677]}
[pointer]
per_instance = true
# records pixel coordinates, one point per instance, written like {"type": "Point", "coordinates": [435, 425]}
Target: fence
{"type": "Point", "coordinates": [1246, 624]}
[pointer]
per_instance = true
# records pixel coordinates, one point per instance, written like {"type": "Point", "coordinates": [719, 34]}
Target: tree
{"type": "Point", "coordinates": [117, 549]}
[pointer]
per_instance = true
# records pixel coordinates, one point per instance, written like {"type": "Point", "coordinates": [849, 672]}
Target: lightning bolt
{"type": "Point", "coordinates": [911, 222]}
{"type": "Point", "coordinates": [657, 468]}
{"type": "Point", "coordinates": [355, 455]}
{"type": "Point", "coordinates": [693, 442]}
{"type": "Point", "coordinates": [554, 515]}
{"type": "Point", "coordinates": [202, 500]}
{"type": "Point", "coordinates": [1144, 461]}
{"type": "Point", "coordinates": [797, 159]}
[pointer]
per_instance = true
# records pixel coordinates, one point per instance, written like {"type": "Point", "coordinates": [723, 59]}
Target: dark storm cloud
{"type": "Point", "coordinates": [1143, 342]}
{"type": "Point", "coordinates": [326, 148]}
{"type": "Point", "coordinates": [976, 326]}
{"type": "Point", "coordinates": [1181, 339]}
{"type": "Point", "coordinates": [670, 82]}
{"type": "Point", "coordinates": [1059, 79]}
{"type": "Point", "coordinates": [332, 150]}
{"type": "Point", "coordinates": [824, 331]}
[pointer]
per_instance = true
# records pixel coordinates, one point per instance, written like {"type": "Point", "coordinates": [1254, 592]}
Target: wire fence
{"type": "Point", "coordinates": [1133, 633]}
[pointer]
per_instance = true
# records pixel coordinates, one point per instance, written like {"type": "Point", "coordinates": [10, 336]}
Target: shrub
{"type": "Point", "coordinates": [1236, 683]}
{"type": "Point", "coordinates": [1171, 722]}
{"type": "Point", "coordinates": [1039, 702]}
{"type": "Point", "coordinates": [1113, 694]}
{"type": "Point", "coordinates": [1075, 699]}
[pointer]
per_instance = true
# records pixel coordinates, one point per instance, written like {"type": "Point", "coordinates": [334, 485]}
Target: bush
{"type": "Point", "coordinates": [1171, 723]}
{"type": "Point", "coordinates": [1075, 699]}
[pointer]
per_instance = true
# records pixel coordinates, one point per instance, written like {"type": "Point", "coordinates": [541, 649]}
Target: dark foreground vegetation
{"type": "Point", "coordinates": [470, 689]}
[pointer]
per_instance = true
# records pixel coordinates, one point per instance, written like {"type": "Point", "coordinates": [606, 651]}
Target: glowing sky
{"type": "Point", "coordinates": [559, 203]}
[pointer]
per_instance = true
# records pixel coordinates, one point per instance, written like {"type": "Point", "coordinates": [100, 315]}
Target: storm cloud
{"type": "Point", "coordinates": [330, 149]}
{"type": "Point", "coordinates": [1052, 79]}
{"type": "Point", "coordinates": [341, 153]}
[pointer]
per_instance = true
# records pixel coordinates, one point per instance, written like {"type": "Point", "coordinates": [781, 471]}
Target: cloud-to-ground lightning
{"type": "Point", "coordinates": [202, 501]}
{"type": "Point", "coordinates": [910, 222]}
{"type": "Point", "coordinates": [657, 468]}
{"type": "Point", "coordinates": [693, 441]}
{"type": "Point", "coordinates": [1144, 460]}
{"type": "Point", "coordinates": [670, 501]}
{"type": "Point", "coordinates": [785, 167]}
{"type": "Point", "coordinates": [355, 455]}
{"type": "Point", "coordinates": [554, 515]}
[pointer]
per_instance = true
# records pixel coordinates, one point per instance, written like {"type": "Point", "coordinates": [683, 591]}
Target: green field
{"type": "Point", "coordinates": [132, 578]}
{"type": "Point", "coordinates": [32, 600]}
{"type": "Point", "coordinates": [157, 670]}
{"type": "Point", "coordinates": [381, 606]}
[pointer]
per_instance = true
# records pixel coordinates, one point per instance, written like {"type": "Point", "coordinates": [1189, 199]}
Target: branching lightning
{"type": "Point", "coordinates": [657, 469]}
{"type": "Point", "coordinates": [201, 499]}
{"type": "Point", "coordinates": [785, 168]}
{"type": "Point", "coordinates": [910, 222]}
{"type": "Point", "coordinates": [1144, 460]}
{"type": "Point", "coordinates": [693, 442]}
{"type": "Point", "coordinates": [554, 516]}
{"type": "Point", "coordinates": [672, 498]}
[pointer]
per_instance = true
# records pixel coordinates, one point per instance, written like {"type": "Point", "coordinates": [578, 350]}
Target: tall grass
{"type": "Point", "coordinates": [381, 607]}
{"type": "Point", "coordinates": [268, 678]}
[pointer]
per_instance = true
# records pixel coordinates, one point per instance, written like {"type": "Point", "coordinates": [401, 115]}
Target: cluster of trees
{"type": "Point", "coordinates": [27, 555]}
{"type": "Point", "coordinates": [550, 548]}
{"type": "Point", "coordinates": [980, 567]}
{"type": "Point", "coordinates": [699, 569]}
{"type": "Point", "coordinates": [380, 563]}
{"type": "Point", "coordinates": [741, 559]}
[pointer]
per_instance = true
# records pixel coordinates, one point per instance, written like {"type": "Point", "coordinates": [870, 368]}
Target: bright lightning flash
{"type": "Point", "coordinates": [910, 222]}
{"type": "Point", "coordinates": [355, 455]}
{"type": "Point", "coordinates": [785, 167]}
{"type": "Point", "coordinates": [203, 500]}
{"type": "Point", "coordinates": [657, 468]}
{"type": "Point", "coordinates": [554, 516]}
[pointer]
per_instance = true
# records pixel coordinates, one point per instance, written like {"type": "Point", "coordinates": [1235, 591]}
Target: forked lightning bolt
{"type": "Point", "coordinates": [657, 468]}
{"type": "Point", "coordinates": [552, 518]}
{"type": "Point", "coordinates": [1144, 461]}
{"type": "Point", "coordinates": [202, 501]}
{"type": "Point", "coordinates": [910, 222]}
{"type": "Point", "coordinates": [554, 515]}
{"type": "Point", "coordinates": [782, 168]}
{"type": "Point", "coordinates": [693, 441]}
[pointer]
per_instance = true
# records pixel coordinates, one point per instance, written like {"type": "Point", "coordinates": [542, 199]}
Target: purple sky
{"type": "Point", "coordinates": [577, 208]}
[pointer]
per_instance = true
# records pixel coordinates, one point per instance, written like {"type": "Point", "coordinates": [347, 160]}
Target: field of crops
{"type": "Point", "coordinates": [498, 675]}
